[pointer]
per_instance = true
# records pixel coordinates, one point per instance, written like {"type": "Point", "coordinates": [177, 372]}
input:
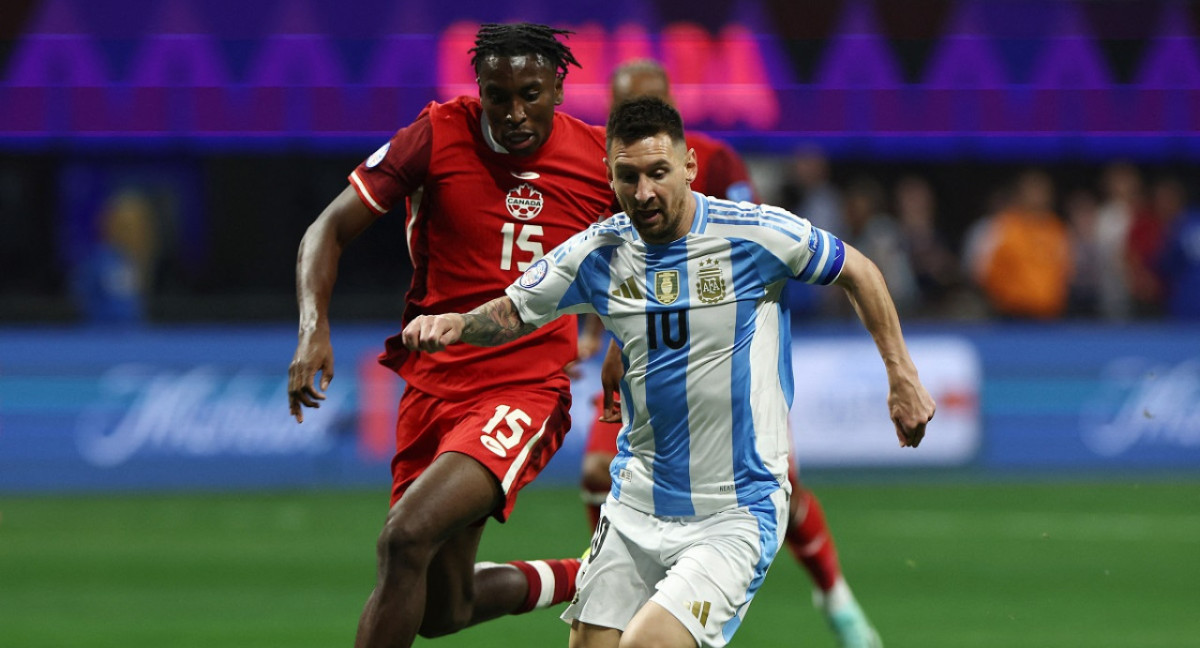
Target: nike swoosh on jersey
{"type": "Point", "coordinates": [526, 175]}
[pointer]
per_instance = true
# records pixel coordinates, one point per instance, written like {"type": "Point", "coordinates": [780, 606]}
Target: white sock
{"type": "Point", "coordinates": [836, 598]}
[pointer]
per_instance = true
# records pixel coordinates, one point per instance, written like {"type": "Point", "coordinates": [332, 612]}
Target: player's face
{"type": "Point", "coordinates": [652, 179]}
{"type": "Point", "coordinates": [519, 94]}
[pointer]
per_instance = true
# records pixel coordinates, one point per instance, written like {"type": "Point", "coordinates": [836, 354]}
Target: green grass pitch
{"type": "Point", "coordinates": [1104, 564]}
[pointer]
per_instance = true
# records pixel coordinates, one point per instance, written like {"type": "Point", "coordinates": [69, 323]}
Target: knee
{"type": "Point", "coordinates": [404, 543]}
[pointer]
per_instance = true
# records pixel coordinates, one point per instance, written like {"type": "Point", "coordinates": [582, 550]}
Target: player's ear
{"type": "Point", "coordinates": [691, 168]}
{"type": "Point", "coordinates": [608, 173]}
{"type": "Point", "coordinates": [558, 90]}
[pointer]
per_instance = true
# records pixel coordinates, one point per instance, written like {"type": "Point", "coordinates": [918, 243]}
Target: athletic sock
{"type": "Point", "coordinates": [550, 582]}
{"type": "Point", "coordinates": [811, 543]}
{"type": "Point", "coordinates": [835, 598]}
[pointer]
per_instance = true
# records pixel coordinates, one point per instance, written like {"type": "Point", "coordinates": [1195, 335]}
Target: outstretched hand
{"type": "Point", "coordinates": [433, 333]}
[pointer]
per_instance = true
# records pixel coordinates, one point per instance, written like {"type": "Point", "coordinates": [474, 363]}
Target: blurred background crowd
{"type": "Point", "coordinates": [159, 162]}
{"type": "Point", "coordinates": [1114, 241]}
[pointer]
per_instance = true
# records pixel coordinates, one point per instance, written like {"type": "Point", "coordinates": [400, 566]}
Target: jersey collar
{"type": "Point", "coordinates": [700, 219]}
{"type": "Point", "coordinates": [486, 127]}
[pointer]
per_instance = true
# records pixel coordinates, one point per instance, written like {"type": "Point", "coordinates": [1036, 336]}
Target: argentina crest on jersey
{"type": "Point", "coordinates": [666, 286]}
{"type": "Point", "coordinates": [710, 284]}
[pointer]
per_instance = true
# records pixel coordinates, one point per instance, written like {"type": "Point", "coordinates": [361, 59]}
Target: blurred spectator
{"type": "Point", "coordinates": [1180, 265]}
{"type": "Point", "coordinates": [111, 283]}
{"type": "Point", "coordinates": [813, 197]}
{"type": "Point", "coordinates": [1025, 268]}
{"type": "Point", "coordinates": [818, 199]}
{"type": "Point", "coordinates": [1121, 186]}
{"type": "Point", "coordinates": [933, 263]}
{"type": "Point", "coordinates": [1147, 238]}
{"type": "Point", "coordinates": [876, 234]}
{"type": "Point", "coordinates": [976, 239]}
{"type": "Point", "coordinates": [1082, 216]}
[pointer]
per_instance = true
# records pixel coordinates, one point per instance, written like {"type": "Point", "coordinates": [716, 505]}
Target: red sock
{"type": "Point", "coordinates": [811, 543]}
{"type": "Point", "coordinates": [592, 499]}
{"type": "Point", "coordinates": [550, 582]}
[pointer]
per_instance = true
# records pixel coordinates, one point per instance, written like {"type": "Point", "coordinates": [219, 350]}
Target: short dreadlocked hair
{"type": "Point", "coordinates": [642, 117]}
{"type": "Point", "coordinates": [514, 39]}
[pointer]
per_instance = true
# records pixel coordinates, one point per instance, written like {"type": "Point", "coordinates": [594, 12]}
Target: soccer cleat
{"type": "Point", "coordinates": [846, 618]}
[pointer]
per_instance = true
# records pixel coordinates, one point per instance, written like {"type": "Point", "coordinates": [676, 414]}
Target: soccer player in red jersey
{"type": "Point", "coordinates": [722, 173]}
{"type": "Point", "coordinates": [489, 184]}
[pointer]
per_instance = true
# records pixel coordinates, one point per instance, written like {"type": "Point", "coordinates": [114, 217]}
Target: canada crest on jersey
{"type": "Point", "coordinates": [524, 202]}
{"type": "Point", "coordinates": [666, 286]}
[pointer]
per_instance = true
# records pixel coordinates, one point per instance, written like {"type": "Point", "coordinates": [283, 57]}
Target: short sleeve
{"type": "Point", "coordinates": [557, 284]}
{"type": "Point", "coordinates": [396, 169]}
{"type": "Point", "coordinates": [826, 254]}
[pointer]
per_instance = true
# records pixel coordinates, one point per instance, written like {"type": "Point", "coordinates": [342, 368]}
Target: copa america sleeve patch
{"type": "Point", "coordinates": [534, 274]}
{"type": "Point", "coordinates": [378, 155]}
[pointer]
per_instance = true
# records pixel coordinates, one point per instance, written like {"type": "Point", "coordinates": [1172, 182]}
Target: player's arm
{"type": "Point", "coordinates": [611, 372]}
{"type": "Point", "coordinates": [395, 170]}
{"type": "Point", "coordinates": [492, 324]}
{"type": "Point", "coordinates": [316, 272]}
{"type": "Point", "coordinates": [541, 295]}
{"type": "Point", "coordinates": [910, 405]}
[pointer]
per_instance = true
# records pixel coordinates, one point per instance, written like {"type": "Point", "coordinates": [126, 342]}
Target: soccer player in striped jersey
{"type": "Point", "coordinates": [699, 496]}
{"type": "Point", "coordinates": [722, 173]}
{"type": "Point", "coordinates": [486, 184]}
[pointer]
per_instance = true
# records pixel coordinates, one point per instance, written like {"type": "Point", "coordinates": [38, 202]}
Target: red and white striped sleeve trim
{"type": "Point", "coordinates": [365, 194]}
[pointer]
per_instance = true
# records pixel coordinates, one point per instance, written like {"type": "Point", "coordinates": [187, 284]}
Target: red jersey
{"type": "Point", "coordinates": [476, 219]}
{"type": "Point", "coordinates": [721, 172]}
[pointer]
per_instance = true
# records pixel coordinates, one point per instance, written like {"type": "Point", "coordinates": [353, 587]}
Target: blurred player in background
{"type": "Point", "coordinates": [489, 184]}
{"type": "Point", "coordinates": [699, 485]}
{"type": "Point", "coordinates": [721, 173]}
{"type": "Point", "coordinates": [720, 170]}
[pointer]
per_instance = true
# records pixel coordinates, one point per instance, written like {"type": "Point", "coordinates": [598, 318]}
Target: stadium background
{"type": "Point", "coordinates": [153, 490]}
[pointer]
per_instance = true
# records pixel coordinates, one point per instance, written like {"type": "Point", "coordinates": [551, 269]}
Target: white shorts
{"type": "Point", "coordinates": [704, 569]}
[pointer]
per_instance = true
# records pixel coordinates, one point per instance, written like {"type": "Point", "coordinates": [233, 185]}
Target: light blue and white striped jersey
{"type": "Point", "coordinates": [708, 376]}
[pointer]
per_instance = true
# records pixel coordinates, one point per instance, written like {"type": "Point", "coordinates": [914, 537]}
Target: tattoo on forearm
{"type": "Point", "coordinates": [494, 323]}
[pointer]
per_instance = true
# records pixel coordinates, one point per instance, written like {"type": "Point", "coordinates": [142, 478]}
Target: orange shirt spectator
{"type": "Point", "coordinates": [1027, 269]}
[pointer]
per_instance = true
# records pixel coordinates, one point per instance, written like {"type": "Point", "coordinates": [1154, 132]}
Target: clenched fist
{"type": "Point", "coordinates": [432, 333]}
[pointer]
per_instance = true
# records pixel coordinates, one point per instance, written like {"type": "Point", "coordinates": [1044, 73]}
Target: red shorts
{"type": "Point", "coordinates": [602, 437]}
{"type": "Point", "coordinates": [513, 432]}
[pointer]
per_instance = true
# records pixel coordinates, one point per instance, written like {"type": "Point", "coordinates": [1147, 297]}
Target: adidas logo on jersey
{"type": "Point", "coordinates": [628, 289]}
